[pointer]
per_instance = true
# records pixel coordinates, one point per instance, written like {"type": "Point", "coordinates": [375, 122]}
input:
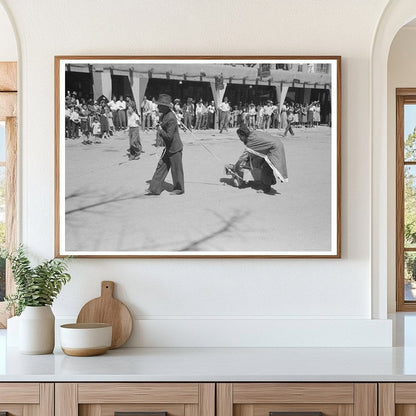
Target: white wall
{"type": "Point", "coordinates": [8, 46]}
{"type": "Point", "coordinates": [291, 302]}
{"type": "Point", "coordinates": [401, 74]}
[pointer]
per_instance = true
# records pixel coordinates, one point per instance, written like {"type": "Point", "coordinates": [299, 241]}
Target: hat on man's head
{"type": "Point", "coordinates": [164, 99]}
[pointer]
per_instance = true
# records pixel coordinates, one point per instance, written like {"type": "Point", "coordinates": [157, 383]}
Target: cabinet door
{"type": "Point", "coordinates": [142, 399]}
{"type": "Point", "coordinates": [26, 399]}
{"type": "Point", "coordinates": [297, 399]}
{"type": "Point", "coordinates": [397, 399]}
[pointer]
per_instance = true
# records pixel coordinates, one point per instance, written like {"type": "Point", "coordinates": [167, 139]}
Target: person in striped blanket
{"type": "Point", "coordinates": [264, 156]}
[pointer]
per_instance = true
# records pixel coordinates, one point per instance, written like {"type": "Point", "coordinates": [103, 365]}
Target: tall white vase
{"type": "Point", "coordinates": [37, 330]}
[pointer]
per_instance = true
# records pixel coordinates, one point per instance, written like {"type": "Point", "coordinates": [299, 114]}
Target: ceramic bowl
{"type": "Point", "coordinates": [84, 340]}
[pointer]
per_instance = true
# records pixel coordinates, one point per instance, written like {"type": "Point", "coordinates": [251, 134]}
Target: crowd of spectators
{"type": "Point", "coordinates": [95, 120]}
{"type": "Point", "coordinates": [202, 114]}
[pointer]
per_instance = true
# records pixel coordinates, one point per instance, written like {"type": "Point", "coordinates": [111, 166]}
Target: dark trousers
{"type": "Point", "coordinates": [74, 130]}
{"type": "Point", "coordinates": [224, 120]}
{"type": "Point", "coordinates": [210, 120]}
{"type": "Point", "coordinates": [116, 121]}
{"type": "Point", "coordinates": [67, 126]}
{"type": "Point", "coordinates": [169, 161]}
{"type": "Point", "coordinates": [134, 139]}
{"type": "Point", "coordinates": [122, 118]}
{"type": "Point", "coordinates": [188, 120]}
{"type": "Point", "coordinates": [204, 125]}
{"type": "Point", "coordinates": [147, 122]}
{"type": "Point", "coordinates": [198, 122]}
{"type": "Point", "coordinates": [289, 129]}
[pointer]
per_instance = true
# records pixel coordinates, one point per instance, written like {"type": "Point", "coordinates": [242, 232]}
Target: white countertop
{"type": "Point", "coordinates": [215, 364]}
{"type": "Point", "coordinates": [222, 364]}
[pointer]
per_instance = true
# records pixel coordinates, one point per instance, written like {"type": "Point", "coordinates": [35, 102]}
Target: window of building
{"type": "Point", "coordinates": [406, 200]}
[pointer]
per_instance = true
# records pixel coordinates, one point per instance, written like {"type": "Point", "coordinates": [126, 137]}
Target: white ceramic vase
{"type": "Point", "coordinates": [37, 330]}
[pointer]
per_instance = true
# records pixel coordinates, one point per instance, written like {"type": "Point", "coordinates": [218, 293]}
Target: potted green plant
{"type": "Point", "coordinates": [36, 289]}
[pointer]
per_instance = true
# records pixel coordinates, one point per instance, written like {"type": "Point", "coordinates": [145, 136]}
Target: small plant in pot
{"type": "Point", "coordinates": [36, 289]}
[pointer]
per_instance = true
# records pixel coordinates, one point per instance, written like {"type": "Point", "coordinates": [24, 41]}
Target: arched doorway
{"type": "Point", "coordinates": [395, 16]}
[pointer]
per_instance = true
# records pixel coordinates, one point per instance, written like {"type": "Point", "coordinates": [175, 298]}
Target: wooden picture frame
{"type": "Point", "coordinates": [101, 206]}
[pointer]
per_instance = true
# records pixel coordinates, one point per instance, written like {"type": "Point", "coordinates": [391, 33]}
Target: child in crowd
{"type": "Point", "coordinates": [105, 128]}
{"type": "Point", "coordinates": [260, 114]}
{"type": "Point", "coordinates": [75, 123]}
{"type": "Point", "coordinates": [85, 127]}
{"type": "Point", "coordinates": [134, 122]}
{"type": "Point", "coordinates": [244, 116]}
{"type": "Point", "coordinates": [234, 116]}
{"type": "Point", "coordinates": [252, 115]}
{"type": "Point", "coordinates": [109, 115]}
{"type": "Point", "coordinates": [96, 129]}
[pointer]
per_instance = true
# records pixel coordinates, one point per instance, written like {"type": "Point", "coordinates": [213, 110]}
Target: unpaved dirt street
{"type": "Point", "coordinates": [107, 211]}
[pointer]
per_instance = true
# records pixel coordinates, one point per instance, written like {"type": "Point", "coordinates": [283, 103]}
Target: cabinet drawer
{"type": "Point", "coordinates": [21, 399]}
{"type": "Point", "coordinates": [297, 399]}
{"type": "Point", "coordinates": [19, 393]}
{"type": "Point", "coordinates": [147, 399]}
{"type": "Point", "coordinates": [138, 393]}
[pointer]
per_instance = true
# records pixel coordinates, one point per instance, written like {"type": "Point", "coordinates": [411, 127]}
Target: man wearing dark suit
{"type": "Point", "coordinates": [172, 156]}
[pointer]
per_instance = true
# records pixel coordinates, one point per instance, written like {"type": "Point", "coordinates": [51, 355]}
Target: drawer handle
{"type": "Point", "coordinates": [295, 413]}
{"type": "Point", "coordinates": [139, 414]}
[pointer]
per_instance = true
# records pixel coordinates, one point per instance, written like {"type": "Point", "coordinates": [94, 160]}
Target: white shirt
{"type": "Point", "coordinates": [121, 105]}
{"type": "Point", "coordinates": [268, 110]}
{"type": "Point", "coordinates": [113, 105]}
{"type": "Point", "coordinates": [133, 120]}
{"type": "Point", "coordinates": [74, 116]}
{"type": "Point", "coordinates": [224, 106]}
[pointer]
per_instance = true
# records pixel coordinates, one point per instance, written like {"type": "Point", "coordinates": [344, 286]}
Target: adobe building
{"type": "Point", "coordinates": [241, 83]}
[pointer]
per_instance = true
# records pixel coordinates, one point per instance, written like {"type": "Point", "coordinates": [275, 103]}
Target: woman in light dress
{"type": "Point", "coordinates": [317, 115]}
{"type": "Point", "coordinates": [283, 116]}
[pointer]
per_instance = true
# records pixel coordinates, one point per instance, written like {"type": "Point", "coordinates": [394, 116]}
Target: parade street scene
{"type": "Point", "coordinates": [197, 158]}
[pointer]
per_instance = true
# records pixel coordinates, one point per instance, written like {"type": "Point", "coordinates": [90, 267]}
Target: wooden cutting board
{"type": "Point", "coordinates": [107, 309]}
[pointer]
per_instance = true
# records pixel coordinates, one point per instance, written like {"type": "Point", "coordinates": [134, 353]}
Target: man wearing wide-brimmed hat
{"type": "Point", "coordinates": [172, 157]}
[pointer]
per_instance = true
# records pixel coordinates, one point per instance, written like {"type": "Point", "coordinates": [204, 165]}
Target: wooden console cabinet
{"type": "Point", "coordinates": [208, 399]}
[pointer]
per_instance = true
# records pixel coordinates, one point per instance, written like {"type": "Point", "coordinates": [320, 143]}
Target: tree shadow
{"type": "Point", "coordinates": [77, 194]}
{"type": "Point", "coordinates": [227, 225]}
{"type": "Point", "coordinates": [98, 203]}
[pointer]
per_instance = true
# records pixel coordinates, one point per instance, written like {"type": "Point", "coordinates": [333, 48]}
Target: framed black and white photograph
{"type": "Point", "coordinates": [198, 156]}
